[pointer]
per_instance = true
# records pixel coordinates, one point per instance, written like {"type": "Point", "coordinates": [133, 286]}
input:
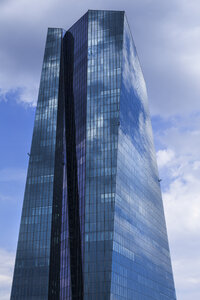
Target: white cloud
{"type": "Point", "coordinates": [6, 272]}
{"type": "Point", "coordinates": [182, 201]}
{"type": "Point", "coordinates": [168, 42]}
{"type": "Point", "coordinates": [182, 139]}
{"type": "Point", "coordinates": [188, 277]}
{"type": "Point", "coordinates": [179, 166]}
{"type": "Point", "coordinates": [182, 210]}
{"type": "Point", "coordinates": [164, 157]}
{"type": "Point", "coordinates": [10, 174]}
{"type": "Point", "coordinates": [166, 34]}
{"type": "Point", "coordinates": [5, 198]}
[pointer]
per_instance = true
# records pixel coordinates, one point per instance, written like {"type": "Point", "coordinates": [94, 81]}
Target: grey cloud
{"type": "Point", "coordinates": [10, 174]}
{"type": "Point", "coordinates": [165, 39]}
{"type": "Point", "coordinates": [179, 166]}
{"type": "Point", "coordinates": [6, 271]}
{"type": "Point", "coordinates": [186, 267]}
{"type": "Point", "coordinates": [166, 35]}
{"type": "Point", "coordinates": [182, 136]}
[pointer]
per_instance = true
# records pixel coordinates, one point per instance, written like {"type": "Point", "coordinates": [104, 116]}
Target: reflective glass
{"type": "Point", "coordinates": [31, 274]}
{"type": "Point", "coordinates": [92, 224]}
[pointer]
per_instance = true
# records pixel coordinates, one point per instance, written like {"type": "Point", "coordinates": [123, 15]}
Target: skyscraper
{"type": "Point", "coordinates": [92, 224]}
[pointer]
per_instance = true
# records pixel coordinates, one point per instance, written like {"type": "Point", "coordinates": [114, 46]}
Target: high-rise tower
{"type": "Point", "coordinates": [92, 224]}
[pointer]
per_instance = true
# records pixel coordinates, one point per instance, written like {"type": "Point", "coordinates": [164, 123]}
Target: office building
{"type": "Point", "coordinates": [92, 224]}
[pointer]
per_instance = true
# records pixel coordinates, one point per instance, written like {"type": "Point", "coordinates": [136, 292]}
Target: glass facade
{"type": "Point", "coordinates": [105, 40]}
{"type": "Point", "coordinates": [73, 210]}
{"type": "Point", "coordinates": [141, 266]}
{"type": "Point", "coordinates": [31, 274]}
{"type": "Point", "coordinates": [92, 224]}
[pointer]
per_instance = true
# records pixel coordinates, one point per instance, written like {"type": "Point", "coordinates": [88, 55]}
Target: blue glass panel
{"type": "Point", "coordinates": [92, 225]}
{"type": "Point", "coordinates": [141, 260]}
{"type": "Point", "coordinates": [75, 89]}
{"type": "Point", "coordinates": [31, 273]}
{"type": "Point", "coordinates": [105, 37]}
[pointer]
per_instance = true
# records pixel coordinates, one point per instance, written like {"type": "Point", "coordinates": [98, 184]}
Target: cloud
{"type": "Point", "coordinates": [183, 136]}
{"type": "Point", "coordinates": [5, 198]}
{"type": "Point", "coordinates": [167, 35]}
{"type": "Point", "coordinates": [182, 199]}
{"type": "Point", "coordinates": [182, 209]}
{"type": "Point", "coordinates": [169, 55]}
{"type": "Point", "coordinates": [188, 277]}
{"type": "Point", "coordinates": [6, 272]}
{"type": "Point", "coordinates": [164, 157]}
{"type": "Point", "coordinates": [179, 166]}
{"type": "Point", "coordinates": [11, 174]}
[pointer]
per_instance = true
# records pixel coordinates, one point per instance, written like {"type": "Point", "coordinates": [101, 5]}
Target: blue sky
{"type": "Point", "coordinates": [167, 37]}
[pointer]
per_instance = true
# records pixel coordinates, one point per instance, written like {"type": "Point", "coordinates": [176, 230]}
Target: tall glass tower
{"type": "Point", "coordinates": [92, 225]}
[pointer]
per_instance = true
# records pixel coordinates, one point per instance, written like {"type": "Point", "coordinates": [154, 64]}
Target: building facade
{"type": "Point", "coordinates": [92, 224]}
